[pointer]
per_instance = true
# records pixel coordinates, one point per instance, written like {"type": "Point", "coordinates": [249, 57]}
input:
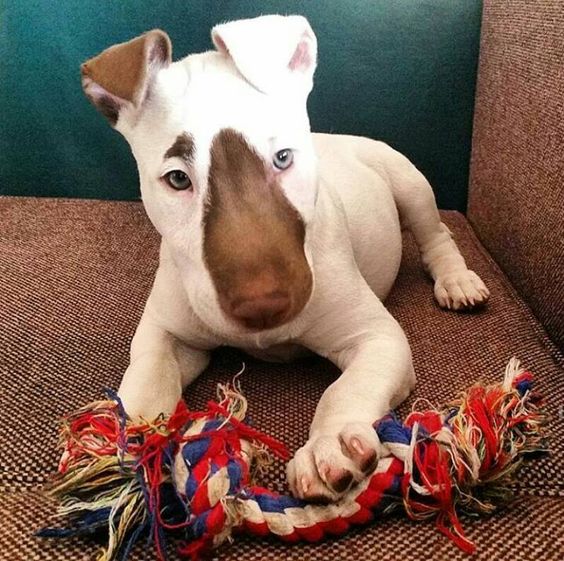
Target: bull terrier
{"type": "Point", "coordinates": [274, 239]}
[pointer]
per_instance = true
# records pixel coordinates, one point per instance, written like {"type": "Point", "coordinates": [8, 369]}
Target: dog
{"type": "Point", "coordinates": [274, 239]}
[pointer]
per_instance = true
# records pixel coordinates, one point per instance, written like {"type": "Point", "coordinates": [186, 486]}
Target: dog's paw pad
{"type": "Point", "coordinates": [462, 290]}
{"type": "Point", "coordinates": [328, 466]}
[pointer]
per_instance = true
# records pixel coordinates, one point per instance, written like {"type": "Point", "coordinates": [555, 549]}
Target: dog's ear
{"type": "Point", "coordinates": [271, 52]}
{"type": "Point", "coordinates": [120, 77]}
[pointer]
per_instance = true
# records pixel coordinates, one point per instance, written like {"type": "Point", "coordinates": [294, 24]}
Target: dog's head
{"type": "Point", "coordinates": [225, 157]}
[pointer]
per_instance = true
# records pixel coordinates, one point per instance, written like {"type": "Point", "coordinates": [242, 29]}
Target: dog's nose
{"type": "Point", "coordinates": [262, 312]}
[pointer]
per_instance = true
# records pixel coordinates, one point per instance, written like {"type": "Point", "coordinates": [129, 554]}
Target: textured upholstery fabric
{"type": "Point", "coordinates": [516, 199]}
{"type": "Point", "coordinates": [75, 275]}
{"type": "Point", "coordinates": [530, 531]}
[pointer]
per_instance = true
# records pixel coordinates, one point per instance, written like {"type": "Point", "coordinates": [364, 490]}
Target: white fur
{"type": "Point", "coordinates": [262, 49]}
{"type": "Point", "coordinates": [348, 191]}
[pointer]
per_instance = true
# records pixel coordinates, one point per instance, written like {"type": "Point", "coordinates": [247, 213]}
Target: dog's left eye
{"type": "Point", "coordinates": [283, 159]}
{"type": "Point", "coordinates": [178, 180]}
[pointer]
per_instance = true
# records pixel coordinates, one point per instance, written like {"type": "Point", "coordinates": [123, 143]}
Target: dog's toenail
{"type": "Point", "coordinates": [305, 483]}
{"type": "Point", "coordinates": [369, 463]}
{"type": "Point", "coordinates": [357, 446]}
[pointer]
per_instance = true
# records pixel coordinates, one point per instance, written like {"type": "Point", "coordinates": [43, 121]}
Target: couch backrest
{"type": "Point", "coordinates": [517, 176]}
{"type": "Point", "coordinates": [401, 71]}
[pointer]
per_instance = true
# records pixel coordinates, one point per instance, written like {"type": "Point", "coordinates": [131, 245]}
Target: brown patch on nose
{"type": "Point", "coordinates": [253, 239]}
{"type": "Point", "coordinates": [263, 311]}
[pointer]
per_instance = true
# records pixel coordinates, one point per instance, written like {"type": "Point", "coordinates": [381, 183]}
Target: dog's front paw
{"type": "Point", "coordinates": [329, 464]}
{"type": "Point", "coordinates": [461, 290]}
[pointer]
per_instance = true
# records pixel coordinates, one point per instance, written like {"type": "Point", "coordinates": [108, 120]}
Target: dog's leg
{"type": "Point", "coordinates": [160, 367]}
{"type": "Point", "coordinates": [456, 287]}
{"type": "Point", "coordinates": [375, 357]}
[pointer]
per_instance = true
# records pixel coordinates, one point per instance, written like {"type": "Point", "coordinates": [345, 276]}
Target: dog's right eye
{"type": "Point", "coordinates": [178, 180]}
{"type": "Point", "coordinates": [283, 159]}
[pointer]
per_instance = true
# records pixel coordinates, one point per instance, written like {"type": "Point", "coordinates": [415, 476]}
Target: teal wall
{"type": "Point", "coordinates": [398, 70]}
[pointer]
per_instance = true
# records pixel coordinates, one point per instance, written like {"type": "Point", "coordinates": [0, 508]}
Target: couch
{"type": "Point", "coordinates": [76, 271]}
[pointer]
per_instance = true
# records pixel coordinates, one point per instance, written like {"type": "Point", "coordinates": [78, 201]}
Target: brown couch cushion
{"type": "Point", "coordinates": [500, 538]}
{"type": "Point", "coordinates": [75, 275]}
{"type": "Point", "coordinates": [516, 199]}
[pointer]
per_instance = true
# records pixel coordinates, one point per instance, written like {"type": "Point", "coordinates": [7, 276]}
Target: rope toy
{"type": "Point", "coordinates": [192, 474]}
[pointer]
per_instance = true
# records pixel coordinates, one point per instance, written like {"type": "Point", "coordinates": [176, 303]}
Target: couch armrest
{"type": "Point", "coordinates": [516, 198]}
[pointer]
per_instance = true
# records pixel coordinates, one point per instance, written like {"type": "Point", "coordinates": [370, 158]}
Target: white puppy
{"type": "Point", "coordinates": [274, 239]}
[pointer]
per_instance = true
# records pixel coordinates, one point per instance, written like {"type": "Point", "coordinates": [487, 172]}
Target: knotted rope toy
{"type": "Point", "coordinates": [192, 474]}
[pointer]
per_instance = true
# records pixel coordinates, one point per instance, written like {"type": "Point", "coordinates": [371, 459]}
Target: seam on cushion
{"type": "Point", "coordinates": [556, 489]}
{"type": "Point", "coordinates": [67, 199]}
{"type": "Point", "coordinates": [538, 329]}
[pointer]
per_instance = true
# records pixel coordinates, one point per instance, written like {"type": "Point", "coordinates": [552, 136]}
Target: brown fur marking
{"type": "Point", "coordinates": [122, 69]}
{"type": "Point", "coordinates": [183, 148]}
{"type": "Point", "coordinates": [253, 237]}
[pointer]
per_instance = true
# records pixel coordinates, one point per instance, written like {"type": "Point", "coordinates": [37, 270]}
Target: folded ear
{"type": "Point", "coordinates": [121, 76]}
{"type": "Point", "coordinates": [271, 52]}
